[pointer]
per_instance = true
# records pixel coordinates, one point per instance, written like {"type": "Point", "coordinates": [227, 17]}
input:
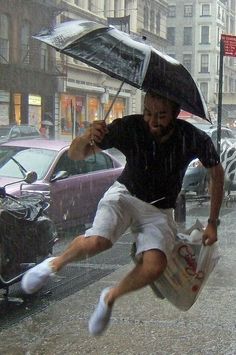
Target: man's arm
{"type": "Point", "coordinates": [216, 198]}
{"type": "Point", "coordinates": [85, 145]}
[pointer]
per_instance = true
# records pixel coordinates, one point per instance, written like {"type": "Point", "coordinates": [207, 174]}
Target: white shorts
{"type": "Point", "coordinates": [118, 210]}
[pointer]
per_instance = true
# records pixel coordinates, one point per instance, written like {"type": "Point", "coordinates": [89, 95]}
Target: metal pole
{"type": "Point", "coordinates": [113, 101]}
{"type": "Point", "coordinates": [220, 95]}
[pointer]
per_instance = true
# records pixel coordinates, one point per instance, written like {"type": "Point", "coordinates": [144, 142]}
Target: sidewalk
{"type": "Point", "coordinates": [141, 324]}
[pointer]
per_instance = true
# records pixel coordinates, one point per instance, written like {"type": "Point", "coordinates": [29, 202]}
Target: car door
{"type": "Point", "coordinates": [74, 199]}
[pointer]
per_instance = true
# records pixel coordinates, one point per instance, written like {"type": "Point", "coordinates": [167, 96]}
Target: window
{"type": "Point", "coordinates": [24, 41]}
{"type": "Point", "coordinates": [44, 57]}
{"type": "Point", "coordinates": [4, 39]}
{"type": "Point", "coordinates": [188, 11]}
{"type": "Point", "coordinates": [204, 90]}
{"type": "Point", "coordinates": [204, 63]}
{"type": "Point", "coordinates": [171, 11]}
{"type": "Point", "coordinates": [205, 34]}
{"type": "Point", "coordinates": [205, 10]}
{"type": "Point", "coordinates": [187, 61]}
{"type": "Point", "coordinates": [152, 21]}
{"type": "Point", "coordinates": [170, 36]}
{"type": "Point", "coordinates": [187, 40]}
{"type": "Point", "coordinates": [158, 23]}
{"type": "Point", "coordinates": [90, 5]}
{"type": "Point", "coordinates": [146, 17]}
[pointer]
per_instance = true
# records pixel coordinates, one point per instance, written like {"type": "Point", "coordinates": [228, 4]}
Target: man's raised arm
{"type": "Point", "coordinates": [85, 145]}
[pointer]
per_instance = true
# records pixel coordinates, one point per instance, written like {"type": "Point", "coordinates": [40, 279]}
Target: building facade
{"type": "Point", "coordinates": [194, 30]}
{"type": "Point", "coordinates": [85, 94]}
{"type": "Point", "coordinates": [25, 65]}
{"type": "Point", "coordinates": [36, 82]}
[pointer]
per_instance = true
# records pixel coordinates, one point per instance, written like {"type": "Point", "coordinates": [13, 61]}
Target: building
{"type": "Point", "coordinates": [194, 30]}
{"type": "Point", "coordinates": [36, 82]}
{"type": "Point", "coordinates": [25, 65]}
{"type": "Point", "coordinates": [85, 94]}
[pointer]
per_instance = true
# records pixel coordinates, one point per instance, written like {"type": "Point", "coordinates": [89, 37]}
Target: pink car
{"type": "Point", "coordinates": [74, 188]}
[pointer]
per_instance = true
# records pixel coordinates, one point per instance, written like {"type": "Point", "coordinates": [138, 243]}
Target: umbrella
{"type": "Point", "coordinates": [47, 123]}
{"type": "Point", "coordinates": [131, 61]}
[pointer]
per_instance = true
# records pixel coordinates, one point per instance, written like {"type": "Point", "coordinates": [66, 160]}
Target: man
{"type": "Point", "coordinates": [158, 149]}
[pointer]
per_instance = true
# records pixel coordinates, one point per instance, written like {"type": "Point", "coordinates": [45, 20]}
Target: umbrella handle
{"type": "Point", "coordinates": [113, 101]}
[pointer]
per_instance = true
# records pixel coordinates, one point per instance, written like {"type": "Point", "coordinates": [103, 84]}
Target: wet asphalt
{"type": "Point", "coordinates": [55, 320]}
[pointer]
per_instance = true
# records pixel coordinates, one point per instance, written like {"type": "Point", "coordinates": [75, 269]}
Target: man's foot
{"type": "Point", "coordinates": [101, 316]}
{"type": "Point", "coordinates": [36, 277]}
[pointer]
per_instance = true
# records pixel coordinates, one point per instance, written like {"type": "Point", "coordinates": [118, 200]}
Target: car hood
{"type": "Point", "coordinates": [9, 180]}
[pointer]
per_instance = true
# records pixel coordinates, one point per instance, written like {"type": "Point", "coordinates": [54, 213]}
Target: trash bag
{"type": "Point", "coordinates": [187, 270]}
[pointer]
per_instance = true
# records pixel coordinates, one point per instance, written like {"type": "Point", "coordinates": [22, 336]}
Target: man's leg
{"type": "Point", "coordinates": [80, 248]}
{"type": "Point", "coordinates": [152, 265]}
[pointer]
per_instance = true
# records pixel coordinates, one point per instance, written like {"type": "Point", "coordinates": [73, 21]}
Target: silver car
{"type": "Point", "coordinates": [196, 178]}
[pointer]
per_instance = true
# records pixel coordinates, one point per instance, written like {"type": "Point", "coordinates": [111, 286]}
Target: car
{"type": "Point", "coordinates": [196, 177]}
{"type": "Point", "coordinates": [12, 132]}
{"type": "Point", "coordinates": [73, 188]}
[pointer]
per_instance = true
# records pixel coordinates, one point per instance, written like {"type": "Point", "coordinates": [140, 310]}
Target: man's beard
{"type": "Point", "coordinates": [164, 131]}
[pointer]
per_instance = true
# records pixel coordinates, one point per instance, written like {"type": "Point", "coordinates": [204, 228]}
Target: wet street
{"type": "Point", "coordinates": [80, 277]}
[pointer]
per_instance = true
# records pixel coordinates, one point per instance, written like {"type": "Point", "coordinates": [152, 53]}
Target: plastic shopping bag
{"type": "Point", "coordinates": [188, 269]}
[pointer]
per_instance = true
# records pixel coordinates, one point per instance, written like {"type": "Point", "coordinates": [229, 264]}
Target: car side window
{"type": "Point", "coordinates": [72, 167]}
{"type": "Point", "coordinates": [99, 161]}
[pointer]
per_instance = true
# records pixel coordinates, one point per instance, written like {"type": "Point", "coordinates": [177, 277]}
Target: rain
{"type": "Point", "coordinates": [62, 68]}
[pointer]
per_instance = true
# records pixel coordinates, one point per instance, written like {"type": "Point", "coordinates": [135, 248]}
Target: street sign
{"type": "Point", "coordinates": [229, 45]}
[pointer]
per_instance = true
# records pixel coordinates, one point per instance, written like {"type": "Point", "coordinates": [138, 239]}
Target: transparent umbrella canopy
{"type": "Point", "coordinates": [120, 56]}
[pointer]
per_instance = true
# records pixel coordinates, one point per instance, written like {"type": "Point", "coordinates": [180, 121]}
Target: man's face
{"type": "Point", "coordinates": [158, 113]}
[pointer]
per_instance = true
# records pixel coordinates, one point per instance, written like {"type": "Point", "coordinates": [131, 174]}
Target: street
{"type": "Point", "coordinates": [217, 300]}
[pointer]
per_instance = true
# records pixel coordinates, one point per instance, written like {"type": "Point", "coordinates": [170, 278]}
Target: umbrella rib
{"type": "Point", "coordinates": [113, 101]}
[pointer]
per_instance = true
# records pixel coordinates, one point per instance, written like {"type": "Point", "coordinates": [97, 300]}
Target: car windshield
{"type": "Point", "coordinates": [32, 159]}
{"type": "Point", "coordinates": [4, 131]}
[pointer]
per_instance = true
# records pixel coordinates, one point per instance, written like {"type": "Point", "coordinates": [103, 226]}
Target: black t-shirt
{"type": "Point", "coordinates": [155, 170]}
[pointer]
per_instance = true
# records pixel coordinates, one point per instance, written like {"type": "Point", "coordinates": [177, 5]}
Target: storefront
{"type": "Point", "coordinates": [78, 111]}
{"type": "Point", "coordinates": [4, 107]}
{"type": "Point", "coordinates": [35, 110]}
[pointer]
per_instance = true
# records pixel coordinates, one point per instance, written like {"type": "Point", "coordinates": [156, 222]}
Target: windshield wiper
{"type": "Point", "coordinates": [22, 169]}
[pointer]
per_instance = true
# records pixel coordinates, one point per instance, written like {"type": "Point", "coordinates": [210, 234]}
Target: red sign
{"type": "Point", "coordinates": [229, 45]}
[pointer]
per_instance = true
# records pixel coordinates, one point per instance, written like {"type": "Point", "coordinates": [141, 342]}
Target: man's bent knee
{"type": "Point", "coordinates": [99, 243]}
{"type": "Point", "coordinates": [154, 263]}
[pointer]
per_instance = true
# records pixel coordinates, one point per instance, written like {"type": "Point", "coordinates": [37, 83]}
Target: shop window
{"type": "Point", "coordinates": [4, 39]}
{"type": "Point", "coordinates": [17, 107]}
{"type": "Point", "coordinates": [117, 111]}
{"type": "Point", "coordinates": [73, 110]}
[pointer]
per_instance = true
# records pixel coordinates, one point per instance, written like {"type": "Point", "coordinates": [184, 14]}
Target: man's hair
{"type": "Point", "coordinates": [175, 106]}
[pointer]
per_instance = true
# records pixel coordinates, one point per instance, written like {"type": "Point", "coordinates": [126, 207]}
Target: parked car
{"type": "Point", "coordinates": [196, 178]}
{"type": "Point", "coordinates": [12, 132]}
{"type": "Point", "coordinates": [73, 187]}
